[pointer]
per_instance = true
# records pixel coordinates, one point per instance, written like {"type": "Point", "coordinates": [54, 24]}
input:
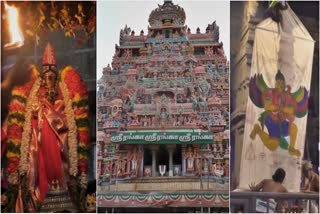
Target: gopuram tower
{"type": "Point", "coordinates": [163, 119]}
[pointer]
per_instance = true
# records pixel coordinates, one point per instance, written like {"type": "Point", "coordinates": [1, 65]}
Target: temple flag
{"type": "Point", "coordinates": [277, 108]}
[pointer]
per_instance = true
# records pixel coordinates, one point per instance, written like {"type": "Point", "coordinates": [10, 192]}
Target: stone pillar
{"type": "Point", "coordinates": [170, 150]}
{"type": "Point", "coordinates": [183, 158]}
{"type": "Point", "coordinates": [210, 166]}
{"type": "Point", "coordinates": [154, 149]}
{"type": "Point", "coordinates": [170, 163]}
{"type": "Point", "coordinates": [154, 167]}
{"type": "Point", "coordinates": [184, 167]}
{"type": "Point", "coordinates": [140, 161]}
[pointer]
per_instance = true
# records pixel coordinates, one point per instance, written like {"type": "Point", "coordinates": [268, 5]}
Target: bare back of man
{"type": "Point", "coordinates": [271, 186]}
{"type": "Point", "coordinates": [312, 182]}
{"type": "Point", "coordinates": [268, 185]}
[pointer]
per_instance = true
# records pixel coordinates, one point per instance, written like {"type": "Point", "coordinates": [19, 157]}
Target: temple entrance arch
{"type": "Point", "coordinates": [168, 155]}
{"type": "Point", "coordinates": [177, 161]}
{"type": "Point", "coordinates": [177, 156]}
{"type": "Point", "coordinates": [147, 157]}
{"type": "Point", "coordinates": [163, 158]}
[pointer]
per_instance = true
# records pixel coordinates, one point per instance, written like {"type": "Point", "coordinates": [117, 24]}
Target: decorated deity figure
{"type": "Point", "coordinates": [219, 171]}
{"type": "Point", "coordinates": [145, 121]}
{"type": "Point", "coordinates": [47, 135]}
{"type": "Point", "coordinates": [134, 161]}
{"type": "Point", "coordinates": [103, 168]}
{"type": "Point", "coordinates": [194, 103]}
{"type": "Point", "coordinates": [281, 107]}
{"type": "Point", "coordinates": [163, 116]}
{"type": "Point", "coordinates": [123, 166]}
{"type": "Point", "coordinates": [129, 159]}
{"type": "Point", "coordinates": [116, 108]}
{"type": "Point", "coordinates": [197, 162]}
{"type": "Point", "coordinates": [164, 98]}
{"type": "Point", "coordinates": [149, 50]}
{"type": "Point", "coordinates": [212, 168]}
{"type": "Point", "coordinates": [135, 120]}
{"type": "Point", "coordinates": [150, 121]}
{"type": "Point", "coordinates": [220, 147]}
{"type": "Point", "coordinates": [205, 104]}
{"type": "Point", "coordinates": [114, 167]}
{"type": "Point", "coordinates": [204, 86]}
{"type": "Point", "coordinates": [157, 120]}
{"type": "Point", "coordinates": [175, 120]}
{"type": "Point", "coordinates": [108, 169]}
{"type": "Point", "coordinates": [181, 120]}
{"type": "Point", "coordinates": [155, 75]}
{"type": "Point", "coordinates": [190, 160]}
{"type": "Point", "coordinates": [193, 119]}
{"type": "Point", "coordinates": [139, 160]}
{"type": "Point", "coordinates": [205, 166]}
{"type": "Point", "coordinates": [214, 147]}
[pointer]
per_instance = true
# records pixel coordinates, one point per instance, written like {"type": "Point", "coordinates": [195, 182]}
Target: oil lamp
{"type": "Point", "coordinates": [16, 39]}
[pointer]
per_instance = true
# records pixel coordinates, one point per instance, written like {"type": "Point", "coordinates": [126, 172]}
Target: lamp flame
{"type": "Point", "coordinates": [16, 37]}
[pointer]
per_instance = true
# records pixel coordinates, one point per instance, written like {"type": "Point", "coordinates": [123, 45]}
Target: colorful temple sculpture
{"type": "Point", "coordinates": [163, 117]}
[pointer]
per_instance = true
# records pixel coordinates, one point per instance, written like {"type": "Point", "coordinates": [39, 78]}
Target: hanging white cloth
{"type": "Point", "coordinates": [289, 47]}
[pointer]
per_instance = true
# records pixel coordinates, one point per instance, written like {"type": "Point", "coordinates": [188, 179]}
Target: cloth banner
{"type": "Point", "coordinates": [276, 114]}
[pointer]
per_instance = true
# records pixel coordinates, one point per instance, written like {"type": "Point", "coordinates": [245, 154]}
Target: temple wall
{"type": "Point", "coordinates": [242, 33]}
{"type": "Point", "coordinates": [168, 186]}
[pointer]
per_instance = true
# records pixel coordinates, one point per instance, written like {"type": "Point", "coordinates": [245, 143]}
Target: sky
{"type": "Point", "coordinates": [114, 15]}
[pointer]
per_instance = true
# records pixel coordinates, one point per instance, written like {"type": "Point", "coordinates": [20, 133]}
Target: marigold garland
{"type": "Point", "coordinates": [15, 129]}
{"type": "Point", "coordinates": [16, 121]}
{"type": "Point", "coordinates": [79, 97]}
{"type": "Point", "coordinates": [77, 92]}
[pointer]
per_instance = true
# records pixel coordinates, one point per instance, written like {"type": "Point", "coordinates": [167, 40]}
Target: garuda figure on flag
{"type": "Point", "coordinates": [47, 136]}
{"type": "Point", "coordinates": [281, 107]}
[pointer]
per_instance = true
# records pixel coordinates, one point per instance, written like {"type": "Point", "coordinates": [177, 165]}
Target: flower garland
{"type": "Point", "coordinates": [75, 93]}
{"type": "Point", "coordinates": [17, 121]}
{"type": "Point", "coordinates": [27, 128]}
{"type": "Point", "coordinates": [18, 118]}
{"type": "Point", "coordinates": [72, 133]}
{"type": "Point", "coordinates": [74, 90]}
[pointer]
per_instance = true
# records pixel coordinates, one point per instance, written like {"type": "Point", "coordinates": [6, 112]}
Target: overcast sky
{"type": "Point", "coordinates": [114, 15]}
